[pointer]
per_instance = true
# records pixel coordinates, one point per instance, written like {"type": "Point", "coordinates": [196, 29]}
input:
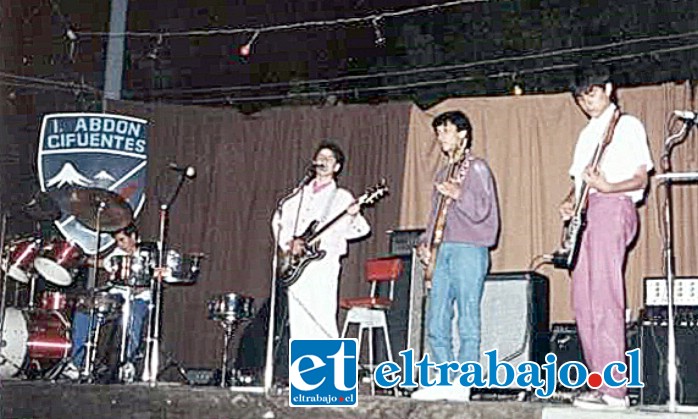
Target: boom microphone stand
{"type": "Point", "coordinates": [152, 350]}
{"type": "Point", "coordinates": [668, 251]}
{"type": "Point", "coordinates": [271, 335]}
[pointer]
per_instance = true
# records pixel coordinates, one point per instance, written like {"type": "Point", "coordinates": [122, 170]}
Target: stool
{"type": "Point", "coordinates": [369, 312]}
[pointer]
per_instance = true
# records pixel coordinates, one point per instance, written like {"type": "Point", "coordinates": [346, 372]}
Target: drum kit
{"type": "Point", "coordinates": [36, 334]}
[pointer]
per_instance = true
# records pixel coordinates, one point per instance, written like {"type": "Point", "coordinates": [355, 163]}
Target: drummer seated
{"type": "Point", "coordinates": [128, 244]}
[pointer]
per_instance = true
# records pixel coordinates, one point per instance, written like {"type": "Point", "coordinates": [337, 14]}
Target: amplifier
{"type": "Point", "coordinates": [403, 241]}
{"type": "Point", "coordinates": [685, 291]}
{"type": "Point", "coordinates": [565, 344]}
{"type": "Point", "coordinates": [654, 364]}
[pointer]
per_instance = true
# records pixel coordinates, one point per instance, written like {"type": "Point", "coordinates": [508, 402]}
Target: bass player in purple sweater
{"type": "Point", "coordinates": [460, 239]}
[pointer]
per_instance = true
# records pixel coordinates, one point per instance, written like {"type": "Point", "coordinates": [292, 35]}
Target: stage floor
{"type": "Point", "coordinates": [40, 399]}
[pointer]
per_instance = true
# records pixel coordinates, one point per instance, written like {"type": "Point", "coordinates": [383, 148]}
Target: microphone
{"type": "Point", "coordinates": [687, 116]}
{"type": "Point", "coordinates": [187, 171]}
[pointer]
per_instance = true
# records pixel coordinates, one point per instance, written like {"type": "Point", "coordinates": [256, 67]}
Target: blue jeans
{"type": "Point", "coordinates": [459, 277]}
{"type": "Point", "coordinates": [81, 327]}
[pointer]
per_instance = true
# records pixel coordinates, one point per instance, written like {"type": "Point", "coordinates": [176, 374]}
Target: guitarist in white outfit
{"type": "Point", "coordinates": [312, 299]}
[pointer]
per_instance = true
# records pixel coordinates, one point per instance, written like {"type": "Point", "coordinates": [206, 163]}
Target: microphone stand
{"type": "Point", "coordinates": [269, 364]}
{"type": "Point", "coordinates": [152, 350]}
{"type": "Point", "coordinates": [668, 251]}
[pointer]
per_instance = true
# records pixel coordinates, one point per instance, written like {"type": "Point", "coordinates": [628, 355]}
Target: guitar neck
{"type": "Point", "coordinates": [319, 231]}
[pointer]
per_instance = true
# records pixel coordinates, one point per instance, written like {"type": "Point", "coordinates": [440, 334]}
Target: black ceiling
{"type": "Point", "coordinates": [475, 48]}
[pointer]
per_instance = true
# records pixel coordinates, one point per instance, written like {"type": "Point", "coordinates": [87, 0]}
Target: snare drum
{"type": "Point", "coordinates": [22, 253]}
{"type": "Point", "coordinates": [103, 302]}
{"type": "Point", "coordinates": [57, 259]}
{"type": "Point", "coordinates": [230, 307]}
{"type": "Point", "coordinates": [39, 335]}
{"type": "Point", "coordinates": [53, 300]}
{"type": "Point", "coordinates": [185, 270]}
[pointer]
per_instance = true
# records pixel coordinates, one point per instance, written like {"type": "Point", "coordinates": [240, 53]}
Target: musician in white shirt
{"type": "Point", "coordinates": [616, 187]}
{"type": "Point", "coordinates": [312, 300]}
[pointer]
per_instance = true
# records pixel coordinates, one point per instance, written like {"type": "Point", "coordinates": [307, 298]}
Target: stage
{"type": "Point", "coordinates": [40, 399]}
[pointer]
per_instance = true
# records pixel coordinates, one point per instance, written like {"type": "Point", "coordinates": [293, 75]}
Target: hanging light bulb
{"type": "Point", "coordinates": [153, 54]}
{"type": "Point", "coordinates": [247, 48]}
{"type": "Point", "coordinates": [73, 39]}
{"type": "Point", "coordinates": [516, 85]}
{"type": "Point", "coordinates": [380, 39]}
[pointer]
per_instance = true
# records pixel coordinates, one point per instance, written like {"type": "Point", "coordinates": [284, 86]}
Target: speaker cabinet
{"type": "Point", "coordinates": [654, 346]}
{"type": "Point", "coordinates": [514, 316]}
{"type": "Point", "coordinates": [565, 344]}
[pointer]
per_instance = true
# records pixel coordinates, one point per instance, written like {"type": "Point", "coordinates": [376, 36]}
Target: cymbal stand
{"type": "Point", "coordinates": [152, 349]}
{"type": "Point", "coordinates": [98, 229]}
{"type": "Point", "coordinates": [3, 277]}
{"type": "Point", "coordinates": [93, 333]}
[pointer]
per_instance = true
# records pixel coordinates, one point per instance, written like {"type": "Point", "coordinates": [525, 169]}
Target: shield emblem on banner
{"type": "Point", "coordinates": [91, 150]}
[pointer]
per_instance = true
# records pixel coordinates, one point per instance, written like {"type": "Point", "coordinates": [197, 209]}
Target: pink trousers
{"type": "Point", "coordinates": [598, 288]}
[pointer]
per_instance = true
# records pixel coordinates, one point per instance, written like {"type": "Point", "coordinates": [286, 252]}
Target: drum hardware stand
{"type": "Point", "coordinates": [229, 327]}
{"type": "Point", "coordinates": [96, 320]}
{"type": "Point", "coordinates": [271, 335]}
{"type": "Point", "coordinates": [151, 366]}
{"type": "Point", "coordinates": [668, 254]}
{"type": "Point", "coordinates": [125, 326]}
{"type": "Point", "coordinates": [32, 291]}
{"type": "Point", "coordinates": [3, 294]}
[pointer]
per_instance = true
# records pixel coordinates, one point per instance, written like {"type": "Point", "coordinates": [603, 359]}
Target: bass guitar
{"type": "Point", "coordinates": [290, 266]}
{"type": "Point", "coordinates": [566, 256]}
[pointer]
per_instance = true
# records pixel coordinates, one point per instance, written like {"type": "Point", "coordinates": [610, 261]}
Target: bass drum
{"type": "Point", "coordinates": [38, 336]}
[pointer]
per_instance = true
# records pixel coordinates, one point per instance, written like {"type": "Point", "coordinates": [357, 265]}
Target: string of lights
{"type": "Point", "coordinates": [440, 81]}
{"type": "Point", "coordinates": [371, 19]}
{"type": "Point", "coordinates": [439, 68]}
{"type": "Point", "coordinates": [39, 83]}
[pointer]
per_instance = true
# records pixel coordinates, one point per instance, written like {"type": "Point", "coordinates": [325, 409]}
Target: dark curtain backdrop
{"type": "Point", "coordinates": [245, 164]}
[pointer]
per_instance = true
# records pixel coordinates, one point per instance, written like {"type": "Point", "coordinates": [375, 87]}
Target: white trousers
{"type": "Point", "coordinates": [312, 301]}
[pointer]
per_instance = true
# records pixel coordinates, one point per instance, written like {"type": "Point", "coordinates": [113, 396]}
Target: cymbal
{"type": "Point", "coordinates": [85, 203]}
{"type": "Point", "coordinates": [42, 207]}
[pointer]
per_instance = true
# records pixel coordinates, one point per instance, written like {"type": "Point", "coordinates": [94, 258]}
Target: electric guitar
{"type": "Point", "coordinates": [290, 266]}
{"type": "Point", "coordinates": [461, 157]}
{"type": "Point", "coordinates": [566, 256]}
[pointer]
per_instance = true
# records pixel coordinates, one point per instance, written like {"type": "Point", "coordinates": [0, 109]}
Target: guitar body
{"type": "Point", "coordinates": [566, 257]}
{"type": "Point", "coordinates": [290, 267]}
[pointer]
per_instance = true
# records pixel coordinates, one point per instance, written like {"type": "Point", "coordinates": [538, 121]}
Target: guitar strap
{"type": "Point", "coordinates": [328, 207]}
{"type": "Point", "coordinates": [607, 137]}
{"type": "Point", "coordinates": [601, 149]}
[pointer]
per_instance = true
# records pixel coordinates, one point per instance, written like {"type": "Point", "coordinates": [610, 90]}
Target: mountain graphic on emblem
{"type": "Point", "coordinates": [103, 179]}
{"type": "Point", "coordinates": [68, 175]}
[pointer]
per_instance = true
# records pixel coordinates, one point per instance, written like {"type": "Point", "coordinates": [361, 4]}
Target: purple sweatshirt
{"type": "Point", "coordinates": [474, 217]}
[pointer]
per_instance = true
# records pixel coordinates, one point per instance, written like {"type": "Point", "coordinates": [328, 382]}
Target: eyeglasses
{"type": "Point", "coordinates": [325, 159]}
